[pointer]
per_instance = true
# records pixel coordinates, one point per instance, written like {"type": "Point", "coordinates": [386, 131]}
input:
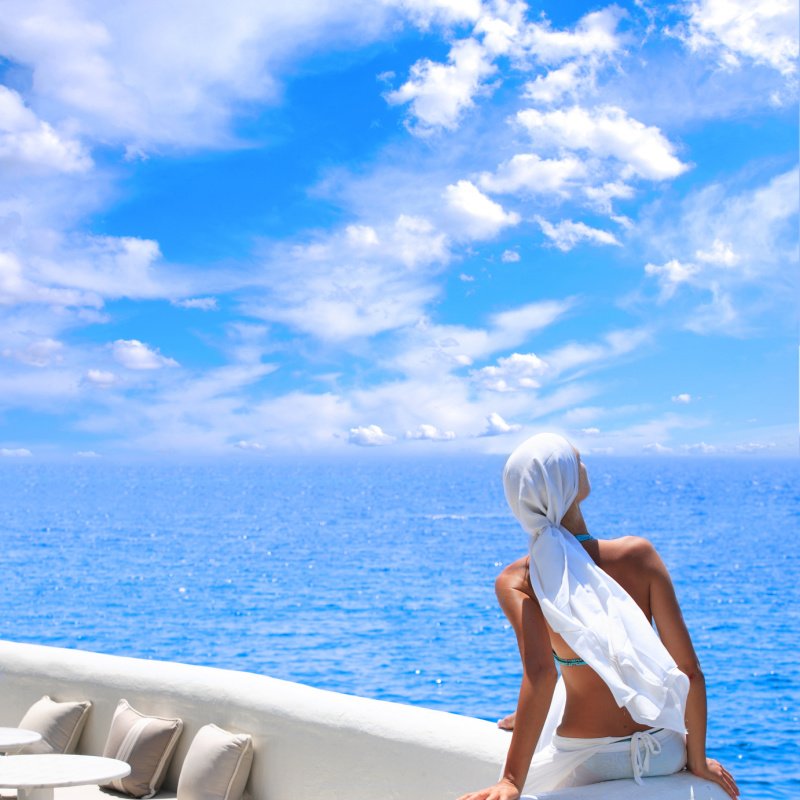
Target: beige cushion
{"type": "Point", "coordinates": [60, 725]}
{"type": "Point", "coordinates": [216, 766]}
{"type": "Point", "coordinates": [146, 743]}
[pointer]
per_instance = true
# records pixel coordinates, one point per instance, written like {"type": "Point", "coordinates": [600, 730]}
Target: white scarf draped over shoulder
{"type": "Point", "coordinates": [597, 618]}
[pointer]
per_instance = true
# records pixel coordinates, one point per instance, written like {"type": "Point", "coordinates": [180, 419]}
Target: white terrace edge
{"type": "Point", "coordinates": [309, 743]}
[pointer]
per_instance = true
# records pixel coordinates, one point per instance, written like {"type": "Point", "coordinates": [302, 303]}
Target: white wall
{"type": "Point", "coordinates": [309, 743]}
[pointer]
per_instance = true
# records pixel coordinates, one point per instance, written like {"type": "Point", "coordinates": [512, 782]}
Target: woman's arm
{"type": "Point", "coordinates": [675, 636]}
{"type": "Point", "coordinates": [538, 683]}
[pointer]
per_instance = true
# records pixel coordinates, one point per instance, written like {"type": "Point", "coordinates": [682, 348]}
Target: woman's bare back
{"type": "Point", "coordinates": [590, 709]}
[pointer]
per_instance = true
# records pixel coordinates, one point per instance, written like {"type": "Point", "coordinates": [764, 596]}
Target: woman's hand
{"type": "Point", "coordinates": [712, 770]}
{"type": "Point", "coordinates": [502, 790]}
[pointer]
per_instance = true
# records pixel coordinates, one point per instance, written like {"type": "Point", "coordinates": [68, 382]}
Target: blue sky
{"type": "Point", "coordinates": [426, 226]}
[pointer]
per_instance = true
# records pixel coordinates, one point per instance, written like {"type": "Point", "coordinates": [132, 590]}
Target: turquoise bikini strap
{"type": "Point", "coordinates": [569, 662]}
{"type": "Point", "coordinates": [584, 537]}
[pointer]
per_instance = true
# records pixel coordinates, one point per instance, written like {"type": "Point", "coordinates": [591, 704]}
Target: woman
{"type": "Point", "coordinates": [629, 702]}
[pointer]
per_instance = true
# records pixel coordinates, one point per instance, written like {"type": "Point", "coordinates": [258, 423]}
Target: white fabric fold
{"type": "Point", "coordinates": [643, 744]}
{"type": "Point", "coordinates": [597, 618]}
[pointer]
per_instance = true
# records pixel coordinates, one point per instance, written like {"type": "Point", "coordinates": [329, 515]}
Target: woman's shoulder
{"type": "Point", "coordinates": [513, 576]}
{"type": "Point", "coordinates": [635, 564]}
{"type": "Point", "coordinates": [634, 549]}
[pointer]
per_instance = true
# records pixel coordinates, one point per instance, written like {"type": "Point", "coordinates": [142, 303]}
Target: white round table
{"type": "Point", "coordinates": [12, 738]}
{"type": "Point", "coordinates": [35, 776]}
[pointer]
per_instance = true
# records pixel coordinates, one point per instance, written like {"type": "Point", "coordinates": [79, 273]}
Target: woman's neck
{"type": "Point", "coordinates": [573, 520]}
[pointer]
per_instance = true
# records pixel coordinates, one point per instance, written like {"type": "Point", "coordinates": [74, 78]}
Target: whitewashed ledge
{"type": "Point", "coordinates": [309, 744]}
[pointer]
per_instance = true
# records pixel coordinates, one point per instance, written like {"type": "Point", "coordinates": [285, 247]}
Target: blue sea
{"type": "Point", "coordinates": [375, 577]}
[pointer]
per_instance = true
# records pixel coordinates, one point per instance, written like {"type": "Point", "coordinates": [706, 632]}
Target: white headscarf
{"type": "Point", "coordinates": [597, 618]}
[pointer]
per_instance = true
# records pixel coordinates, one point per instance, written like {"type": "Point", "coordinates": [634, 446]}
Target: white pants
{"type": "Point", "coordinates": [560, 761]}
{"type": "Point", "coordinates": [653, 752]}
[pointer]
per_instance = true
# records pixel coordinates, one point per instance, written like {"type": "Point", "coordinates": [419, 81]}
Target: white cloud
{"type": "Point", "coordinates": [718, 314]}
{"type": "Point", "coordinates": [479, 216]}
{"type": "Point", "coordinates": [567, 234]}
{"type": "Point", "coordinates": [64, 274]}
{"type": "Point", "coordinates": [514, 325]}
{"type": "Point", "coordinates": [623, 221]}
{"type": "Point", "coordinates": [439, 94]}
{"type": "Point", "coordinates": [607, 132]}
{"type": "Point", "coordinates": [505, 32]}
{"type": "Point", "coordinates": [16, 288]}
{"type": "Point", "coordinates": [369, 436]}
{"type": "Point", "coordinates": [102, 65]}
{"type": "Point", "coordinates": [431, 350]}
{"type": "Point", "coordinates": [417, 242]}
{"type": "Point", "coordinates": [497, 426]}
{"type": "Point", "coordinates": [221, 387]}
{"type": "Point", "coordinates": [613, 345]}
{"type": "Point", "coordinates": [519, 371]}
{"type": "Point", "coordinates": [590, 431]}
{"type": "Point", "coordinates": [671, 275]}
{"type": "Point", "coordinates": [18, 452]}
{"type": "Point", "coordinates": [133, 354]}
{"type": "Point", "coordinates": [644, 436]}
{"type": "Point", "coordinates": [548, 383]}
{"type": "Point", "coordinates": [583, 414]}
{"type": "Point", "coordinates": [528, 174]}
{"type": "Point", "coordinates": [683, 398]}
{"type": "Point", "coordinates": [362, 235]}
{"type": "Point", "coordinates": [431, 433]}
{"type": "Point", "coordinates": [597, 42]}
{"type": "Point", "coordinates": [720, 253]}
{"type": "Point", "coordinates": [466, 278]}
{"type": "Point", "coordinates": [27, 142]}
{"type": "Point", "coordinates": [594, 36]}
{"type": "Point", "coordinates": [729, 251]}
{"type": "Point", "coordinates": [754, 447]}
{"type": "Point", "coordinates": [101, 378]}
{"type": "Point", "coordinates": [347, 301]}
{"type": "Point", "coordinates": [763, 31]}
{"type": "Point", "coordinates": [554, 85]}
{"type": "Point", "coordinates": [700, 447]}
{"type": "Point", "coordinates": [247, 344]}
{"type": "Point", "coordinates": [50, 390]}
{"type": "Point", "coordinates": [193, 412]}
{"type": "Point", "coordinates": [601, 196]}
{"type": "Point", "coordinates": [87, 454]}
{"type": "Point", "coordinates": [111, 266]}
{"type": "Point", "coordinates": [39, 353]}
{"type": "Point", "coordinates": [210, 410]}
{"type": "Point", "coordinates": [200, 303]}
{"type": "Point", "coordinates": [337, 290]}
{"type": "Point", "coordinates": [657, 447]}
{"type": "Point", "coordinates": [510, 257]}
{"type": "Point", "coordinates": [244, 444]}
{"type": "Point", "coordinates": [426, 12]}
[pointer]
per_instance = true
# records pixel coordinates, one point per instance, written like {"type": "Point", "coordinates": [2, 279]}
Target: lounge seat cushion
{"type": "Point", "coordinates": [146, 743]}
{"type": "Point", "coordinates": [60, 725]}
{"type": "Point", "coordinates": [216, 766]}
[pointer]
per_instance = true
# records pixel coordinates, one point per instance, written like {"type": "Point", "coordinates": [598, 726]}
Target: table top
{"type": "Point", "coordinates": [39, 771]}
{"type": "Point", "coordinates": [17, 737]}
